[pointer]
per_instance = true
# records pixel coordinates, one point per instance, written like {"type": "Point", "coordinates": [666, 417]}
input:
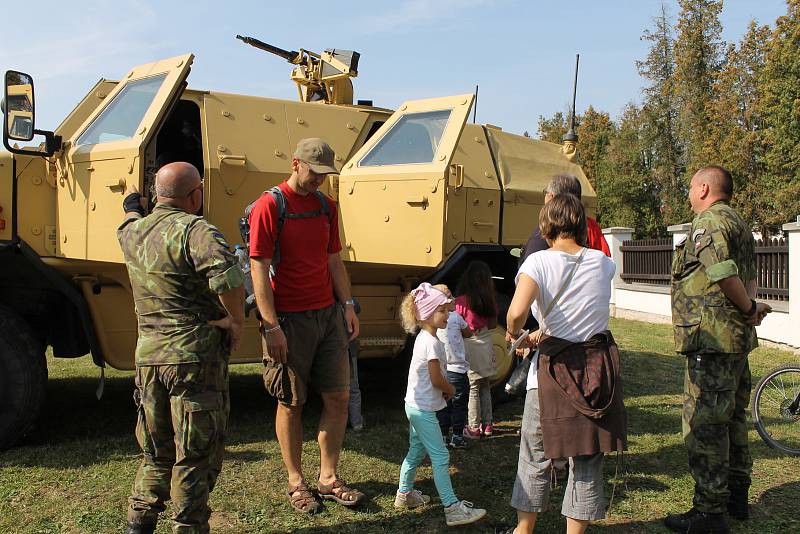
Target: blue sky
{"type": "Point", "coordinates": [521, 53]}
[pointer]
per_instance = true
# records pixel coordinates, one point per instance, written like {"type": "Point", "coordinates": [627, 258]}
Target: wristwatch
{"type": "Point", "coordinates": [350, 302]}
{"type": "Point", "coordinates": [752, 310]}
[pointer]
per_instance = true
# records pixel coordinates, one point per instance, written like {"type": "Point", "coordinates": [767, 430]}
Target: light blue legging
{"type": "Point", "coordinates": [425, 436]}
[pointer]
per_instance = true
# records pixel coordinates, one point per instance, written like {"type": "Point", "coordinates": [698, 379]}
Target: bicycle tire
{"type": "Point", "coordinates": [777, 425]}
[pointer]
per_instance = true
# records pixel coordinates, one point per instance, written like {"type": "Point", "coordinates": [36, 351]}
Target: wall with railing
{"type": "Point", "coordinates": [641, 287]}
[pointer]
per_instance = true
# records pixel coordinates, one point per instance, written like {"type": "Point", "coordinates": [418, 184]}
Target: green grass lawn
{"type": "Point", "coordinates": [74, 473]}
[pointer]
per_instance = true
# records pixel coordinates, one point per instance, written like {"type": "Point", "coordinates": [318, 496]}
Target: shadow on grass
{"type": "Point", "coordinates": [656, 374]}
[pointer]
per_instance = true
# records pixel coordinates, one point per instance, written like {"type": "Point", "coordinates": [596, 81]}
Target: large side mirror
{"type": "Point", "coordinates": [19, 106]}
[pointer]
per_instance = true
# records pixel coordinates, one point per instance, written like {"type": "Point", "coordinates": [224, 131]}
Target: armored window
{"type": "Point", "coordinates": [120, 119]}
{"type": "Point", "coordinates": [412, 139]}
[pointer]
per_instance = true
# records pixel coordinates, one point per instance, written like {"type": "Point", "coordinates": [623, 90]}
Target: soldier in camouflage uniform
{"type": "Point", "coordinates": [187, 290]}
{"type": "Point", "coordinates": [713, 315]}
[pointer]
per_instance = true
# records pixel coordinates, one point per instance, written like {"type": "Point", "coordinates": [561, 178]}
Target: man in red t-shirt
{"type": "Point", "coordinates": [302, 324]}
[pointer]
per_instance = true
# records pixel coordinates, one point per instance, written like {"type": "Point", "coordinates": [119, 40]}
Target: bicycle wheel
{"type": "Point", "coordinates": [776, 410]}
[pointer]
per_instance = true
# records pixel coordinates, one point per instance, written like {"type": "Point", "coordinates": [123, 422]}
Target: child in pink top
{"type": "Point", "coordinates": [477, 304]}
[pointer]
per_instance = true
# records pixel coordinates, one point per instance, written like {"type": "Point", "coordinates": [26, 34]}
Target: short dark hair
{"type": "Point", "coordinates": [718, 178]}
{"type": "Point", "coordinates": [564, 183]}
{"type": "Point", "coordinates": [563, 216]}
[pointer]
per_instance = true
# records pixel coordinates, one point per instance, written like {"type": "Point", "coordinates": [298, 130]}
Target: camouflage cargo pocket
{"type": "Point", "coordinates": [203, 422]}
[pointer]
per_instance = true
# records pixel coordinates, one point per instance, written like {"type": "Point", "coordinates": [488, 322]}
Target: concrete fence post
{"type": "Point", "coordinates": [614, 238]}
{"type": "Point", "coordinates": [792, 231]}
{"type": "Point", "coordinates": [679, 232]}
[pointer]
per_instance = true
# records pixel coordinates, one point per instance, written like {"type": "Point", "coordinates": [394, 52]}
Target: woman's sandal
{"type": "Point", "coordinates": [339, 492]}
{"type": "Point", "coordinates": [303, 500]}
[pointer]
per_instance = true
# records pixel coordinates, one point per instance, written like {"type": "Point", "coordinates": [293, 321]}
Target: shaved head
{"type": "Point", "coordinates": [176, 180]}
{"type": "Point", "coordinates": [718, 179]}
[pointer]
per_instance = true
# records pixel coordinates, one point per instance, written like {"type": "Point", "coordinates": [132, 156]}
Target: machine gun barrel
{"type": "Point", "coordinates": [289, 56]}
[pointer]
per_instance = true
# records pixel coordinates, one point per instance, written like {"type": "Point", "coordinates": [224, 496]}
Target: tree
{"type": "Point", "coordinates": [698, 49]}
{"type": "Point", "coordinates": [735, 137]}
{"type": "Point", "coordinates": [626, 195]}
{"type": "Point", "coordinates": [594, 134]}
{"type": "Point", "coordinates": [781, 108]}
{"type": "Point", "coordinates": [662, 148]}
{"type": "Point", "coordinates": [554, 128]}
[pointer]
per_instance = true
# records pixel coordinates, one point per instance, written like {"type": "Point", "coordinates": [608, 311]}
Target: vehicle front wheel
{"type": "Point", "coordinates": [23, 378]}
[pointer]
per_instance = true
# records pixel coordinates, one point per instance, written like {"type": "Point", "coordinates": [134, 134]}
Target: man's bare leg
{"type": "Point", "coordinates": [576, 526]}
{"type": "Point", "coordinates": [332, 424]}
{"type": "Point", "coordinates": [289, 429]}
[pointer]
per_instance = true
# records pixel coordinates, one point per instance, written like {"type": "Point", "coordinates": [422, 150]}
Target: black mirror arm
{"type": "Point", "coordinates": [52, 144]}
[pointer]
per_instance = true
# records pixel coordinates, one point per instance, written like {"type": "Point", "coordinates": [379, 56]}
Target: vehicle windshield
{"type": "Point", "coordinates": [413, 139]}
{"type": "Point", "coordinates": [120, 119]}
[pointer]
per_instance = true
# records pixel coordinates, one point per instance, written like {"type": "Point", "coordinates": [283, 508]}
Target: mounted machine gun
{"type": "Point", "coordinates": [319, 77]}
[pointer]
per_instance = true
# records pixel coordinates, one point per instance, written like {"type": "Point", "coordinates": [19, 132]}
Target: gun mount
{"type": "Point", "coordinates": [319, 77]}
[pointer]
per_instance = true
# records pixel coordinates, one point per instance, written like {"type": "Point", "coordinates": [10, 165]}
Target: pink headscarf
{"type": "Point", "coordinates": [427, 298]}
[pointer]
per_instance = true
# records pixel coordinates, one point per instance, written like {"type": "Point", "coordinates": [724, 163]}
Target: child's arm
{"type": "Point", "coordinates": [467, 332]}
{"type": "Point", "coordinates": [439, 381]}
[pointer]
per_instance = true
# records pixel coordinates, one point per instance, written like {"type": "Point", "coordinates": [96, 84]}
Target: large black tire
{"type": "Point", "coordinates": [23, 378]}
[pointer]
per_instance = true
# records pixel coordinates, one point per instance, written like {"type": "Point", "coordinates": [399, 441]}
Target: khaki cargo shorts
{"type": "Point", "coordinates": [317, 355]}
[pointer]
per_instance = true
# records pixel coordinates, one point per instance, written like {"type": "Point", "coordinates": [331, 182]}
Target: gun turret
{"type": "Point", "coordinates": [319, 77]}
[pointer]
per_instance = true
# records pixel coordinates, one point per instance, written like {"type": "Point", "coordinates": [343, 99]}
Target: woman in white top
{"type": "Point", "coordinates": [576, 313]}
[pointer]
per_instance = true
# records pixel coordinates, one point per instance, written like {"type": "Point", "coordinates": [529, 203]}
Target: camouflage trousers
{"type": "Point", "coordinates": [182, 416]}
{"type": "Point", "coordinates": [716, 395]}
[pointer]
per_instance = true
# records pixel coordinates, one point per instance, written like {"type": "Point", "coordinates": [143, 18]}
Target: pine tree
{"type": "Point", "coordinates": [659, 115]}
{"type": "Point", "coordinates": [698, 50]}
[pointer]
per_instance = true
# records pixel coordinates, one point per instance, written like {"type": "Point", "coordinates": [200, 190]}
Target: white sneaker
{"type": "Point", "coordinates": [462, 513]}
{"type": "Point", "coordinates": [412, 499]}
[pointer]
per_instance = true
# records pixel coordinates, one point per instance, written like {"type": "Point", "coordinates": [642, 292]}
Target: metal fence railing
{"type": "Point", "coordinates": [772, 261]}
{"type": "Point", "coordinates": [649, 261]}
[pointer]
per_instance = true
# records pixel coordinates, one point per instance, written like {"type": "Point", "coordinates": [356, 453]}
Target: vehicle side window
{"type": "Point", "coordinates": [412, 139]}
{"type": "Point", "coordinates": [122, 116]}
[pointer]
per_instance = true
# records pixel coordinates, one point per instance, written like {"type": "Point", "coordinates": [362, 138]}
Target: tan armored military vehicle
{"type": "Point", "coordinates": [422, 192]}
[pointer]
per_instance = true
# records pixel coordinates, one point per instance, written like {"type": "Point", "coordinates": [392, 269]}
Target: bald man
{"type": "Point", "coordinates": [189, 300]}
{"type": "Point", "coordinates": [714, 315]}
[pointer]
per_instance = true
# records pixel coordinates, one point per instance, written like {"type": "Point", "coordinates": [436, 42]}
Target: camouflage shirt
{"type": "Point", "coordinates": [177, 264]}
{"type": "Point", "coordinates": [719, 245]}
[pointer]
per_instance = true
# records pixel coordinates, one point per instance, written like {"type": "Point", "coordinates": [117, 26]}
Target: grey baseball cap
{"type": "Point", "coordinates": [317, 154]}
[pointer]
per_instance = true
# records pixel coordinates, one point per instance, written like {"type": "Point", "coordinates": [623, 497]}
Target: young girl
{"type": "Point", "coordinates": [426, 308]}
{"type": "Point", "coordinates": [476, 303]}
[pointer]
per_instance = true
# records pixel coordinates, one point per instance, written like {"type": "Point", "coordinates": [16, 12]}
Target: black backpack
{"type": "Point", "coordinates": [244, 230]}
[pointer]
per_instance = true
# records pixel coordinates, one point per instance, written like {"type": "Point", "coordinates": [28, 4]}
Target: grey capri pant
{"type": "Point", "coordinates": [584, 496]}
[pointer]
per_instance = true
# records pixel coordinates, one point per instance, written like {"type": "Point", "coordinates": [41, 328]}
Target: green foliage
{"type": "Point", "coordinates": [704, 103]}
{"type": "Point", "coordinates": [781, 108]}
{"type": "Point", "coordinates": [554, 128]}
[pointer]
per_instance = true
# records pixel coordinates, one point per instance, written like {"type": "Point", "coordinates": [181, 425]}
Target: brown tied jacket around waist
{"type": "Point", "coordinates": [580, 397]}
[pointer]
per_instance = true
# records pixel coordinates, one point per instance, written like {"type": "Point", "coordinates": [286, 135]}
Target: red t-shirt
{"type": "Point", "coordinates": [303, 280]}
{"type": "Point", "coordinates": [595, 237]}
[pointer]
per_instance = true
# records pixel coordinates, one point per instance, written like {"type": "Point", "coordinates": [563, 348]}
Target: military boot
{"type": "Point", "coordinates": [737, 503]}
{"type": "Point", "coordinates": [140, 528]}
{"type": "Point", "coordinates": [697, 522]}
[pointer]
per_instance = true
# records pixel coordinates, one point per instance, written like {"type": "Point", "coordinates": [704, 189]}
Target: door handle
{"type": "Point", "coordinates": [457, 171]}
{"type": "Point", "coordinates": [418, 201]}
{"type": "Point", "coordinates": [238, 161]}
{"type": "Point", "coordinates": [119, 183]}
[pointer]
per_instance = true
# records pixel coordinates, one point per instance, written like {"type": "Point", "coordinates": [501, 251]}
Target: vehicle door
{"type": "Point", "coordinates": [107, 152]}
{"type": "Point", "coordinates": [393, 192]}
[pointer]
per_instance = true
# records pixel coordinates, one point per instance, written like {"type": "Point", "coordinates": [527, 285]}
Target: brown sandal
{"type": "Point", "coordinates": [303, 500]}
{"type": "Point", "coordinates": [339, 492]}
